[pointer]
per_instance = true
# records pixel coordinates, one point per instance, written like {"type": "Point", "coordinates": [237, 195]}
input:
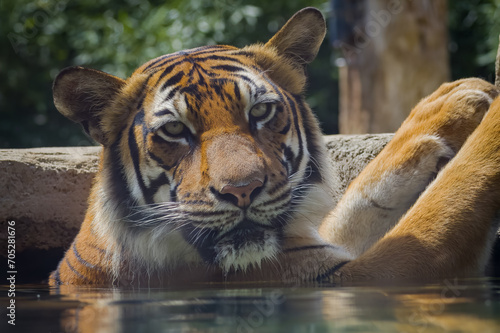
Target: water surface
{"type": "Point", "coordinates": [471, 305]}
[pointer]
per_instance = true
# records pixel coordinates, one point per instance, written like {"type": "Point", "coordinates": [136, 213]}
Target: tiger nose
{"type": "Point", "coordinates": [241, 196]}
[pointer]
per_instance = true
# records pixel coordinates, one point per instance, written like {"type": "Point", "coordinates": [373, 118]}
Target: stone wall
{"type": "Point", "coordinates": [45, 190]}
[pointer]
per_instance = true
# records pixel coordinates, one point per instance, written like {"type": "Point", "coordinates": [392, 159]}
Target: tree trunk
{"type": "Point", "coordinates": [395, 53]}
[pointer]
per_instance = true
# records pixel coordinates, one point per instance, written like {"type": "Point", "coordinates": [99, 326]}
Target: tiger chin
{"type": "Point", "coordinates": [213, 169]}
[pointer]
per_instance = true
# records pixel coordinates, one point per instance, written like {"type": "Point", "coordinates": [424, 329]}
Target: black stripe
{"type": "Point", "coordinates": [219, 90]}
{"type": "Point", "coordinates": [116, 179]}
{"type": "Point", "coordinates": [156, 158]}
{"type": "Point", "coordinates": [163, 112]}
{"type": "Point", "coordinates": [104, 252]}
{"type": "Point", "coordinates": [260, 91]}
{"type": "Point", "coordinates": [281, 197]}
{"type": "Point", "coordinates": [201, 77]}
{"type": "Point", "coordinates": [177, 58]}
{"type": "Point", "coordinates": [141, 100]}
{"type": "Point", "coordinates": [328, 273]}
{"type": "Point", "coordinates": [163, 59]}
{"type": "Point", "coordinates": [209, 49]}
{"type": "Point", "coordinates": [168, 71]}
{"type": "Point", "coordinates": [75, 271]}
{"type": "Point", "coordinates": [312, 135]}
{"type": "Point", "coordinates": [197, 202]}
{"type": "Point", "coordinates": [246, 79]}
{"type": "Point", "coordinates": [237, 92]}
{"type": "Point", "coordinates": [172, 81]}
{"type": "Point", "coordinates": [309, 247]}
{"type": "Point", "coordinates": [290, 101]}
{"type": "Point", "coordinates": [244, 53]}
{"type": "Point", "coordinates": [277, 187]}
{"type": "Point", "coordinates": [172, 93]}
{"type": "Point", "coordinates": [195, 67]}
{"type": "Point", "coordinates": [208, 214]}
{"type": "Point", "coordinates": [228, 68]}
{"type": "Point", "coordinates": [134, 154]}
{"type": "Point", "coordinates": [228, 95]}
{"type": "Point", "coordinates": [220, 57]}
{"type": "Point", "coordinates": [193, 109]}
{"type": "Point", "coordinates": [155, 185]}
{"type": "Point", "coordinates": [286, 128]}
{"type": "Point", "coordinates": [173, 192]}
{"type": "Point", "coordinates": [192, 89]}
{"type": "Point", "coordinates": [376, 205]}
{"type": "Point", "coordinates": [145, 129]}
{"type": "Point", "coordinates": [80, 259]}
{"type": "Point", "coordinates": [224, 81]}
{"type": "Point", "coordinates": [277, 89]}
{"type": "Point", "coordinates": [312, 174]}
{"type": "Point", "coordinates": [289, 158]}
{"type": "Point", "coordinates": [298, 158]}
{"type": "Point", "coordinates": [143, 92]}
{"type": "Point", "coordinates": [285, 165]}
{"type": "Point", "coordinates": [205, 245]}
{"type": "Point", "coordinates": [57, 275]}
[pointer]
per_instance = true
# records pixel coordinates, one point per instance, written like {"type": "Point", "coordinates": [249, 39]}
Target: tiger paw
{"type": "Point", "coordinates": [437, 127]}
{"type": "Point", "coordinates": [452, 112]}
{"type": "Point", "coordinates": [431, 136]}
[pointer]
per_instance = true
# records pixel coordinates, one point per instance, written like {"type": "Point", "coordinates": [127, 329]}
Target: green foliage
{"type": "Point", "coordinates": [42, 36]}
{"type": "Point", "coordinates": [115, 36]}
{"type": "Point", "coordinates": [474, 30]}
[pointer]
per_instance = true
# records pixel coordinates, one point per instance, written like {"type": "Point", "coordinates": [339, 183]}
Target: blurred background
{"type": "Point", "coordinates": [379, 58]}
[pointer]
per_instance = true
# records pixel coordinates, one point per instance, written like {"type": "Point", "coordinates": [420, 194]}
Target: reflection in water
{"type": "Point", "coordinates": [454, 306]}
{"type": "Point", "coordinates": [459, 306]}
{"type": "Point", "coordinates": [97, 313]}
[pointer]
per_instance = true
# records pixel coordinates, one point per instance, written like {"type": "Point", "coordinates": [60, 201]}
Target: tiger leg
{"type": "Point", "coordinates": [449, 230]}
{"type": "Point", "coordinates": [432, 134]}
{"type": "Point", "coordinates": [85, 262]}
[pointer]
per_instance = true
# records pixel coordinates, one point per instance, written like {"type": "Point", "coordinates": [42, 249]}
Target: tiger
{"type": "Point", "coordinates": [213, 169]}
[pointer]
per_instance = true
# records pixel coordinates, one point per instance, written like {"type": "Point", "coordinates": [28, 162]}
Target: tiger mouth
{"type": "Point", "coordinates": [245, 228]}
{"type": "Point", "coordinates": [244, 246]}
{"type": "Point", "coordinates": [243, 237]}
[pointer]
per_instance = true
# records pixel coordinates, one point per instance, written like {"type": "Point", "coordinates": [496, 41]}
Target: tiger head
{"type": "Point", "coordinates": [210, 155]}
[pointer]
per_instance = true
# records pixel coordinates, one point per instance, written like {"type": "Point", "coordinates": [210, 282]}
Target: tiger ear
{"type": "Point", "coordinates": [300, 38]}
{"type": "Point", "coordinates": [82, 95]}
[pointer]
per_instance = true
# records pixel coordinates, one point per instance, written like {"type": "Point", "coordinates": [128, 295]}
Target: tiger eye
{"type": "Point", "coordinates": [174, 128]}
{"type": "Point", "coordinates": [259, 110]}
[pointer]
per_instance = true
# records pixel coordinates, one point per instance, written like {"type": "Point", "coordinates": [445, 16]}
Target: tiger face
{"type": "Point", "coordinates": [208, 155]}
{"type": "Point", "coordinates": [217, 140]}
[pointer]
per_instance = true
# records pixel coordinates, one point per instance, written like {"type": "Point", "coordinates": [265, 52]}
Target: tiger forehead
{"type": "Point", "coordinates": [189, 88]}
{"type": "Point", "coordinates": [193, 74]}
{"type": "Point", "coordinates": [210, 55]}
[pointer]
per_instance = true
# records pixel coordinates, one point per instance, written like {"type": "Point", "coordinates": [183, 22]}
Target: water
{"type": "Point", "coordinates": [447, 305]}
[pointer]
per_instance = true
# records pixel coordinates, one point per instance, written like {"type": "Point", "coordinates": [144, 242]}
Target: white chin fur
{"type": "Point", "coordinates": [246, 249]}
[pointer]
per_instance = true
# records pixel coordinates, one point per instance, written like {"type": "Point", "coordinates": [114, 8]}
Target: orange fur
{"type": "Point", "coordinates": [445, 232]}
{"type": "Point", "coordinates": [213, 169]}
